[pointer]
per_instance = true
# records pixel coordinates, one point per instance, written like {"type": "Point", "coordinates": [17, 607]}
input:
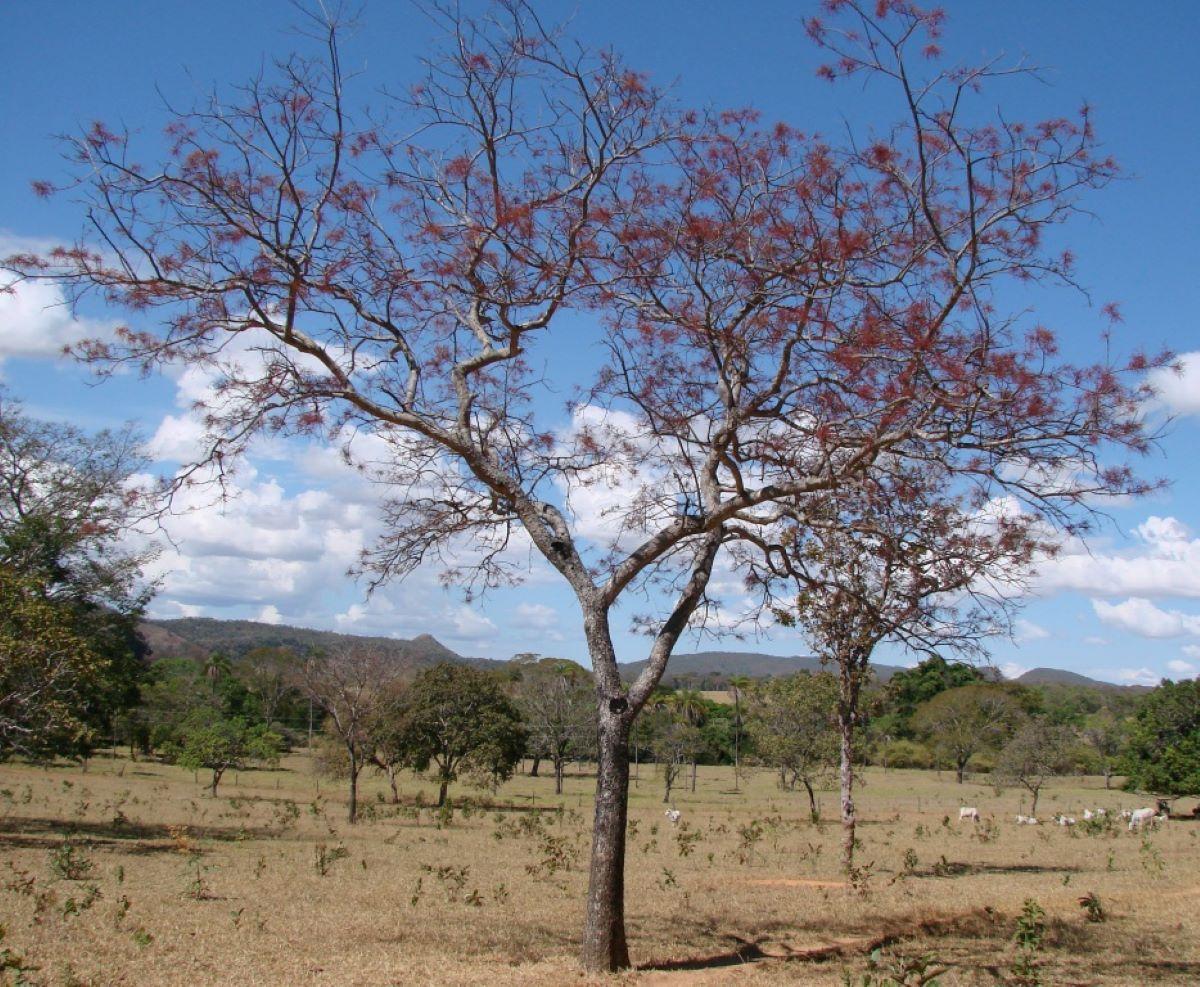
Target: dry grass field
{"type": "Point", "coordinates": [129, 873]}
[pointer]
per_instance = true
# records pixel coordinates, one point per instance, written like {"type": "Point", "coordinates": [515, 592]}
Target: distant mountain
{"type": "Point", "coordinates": [713, 669]}
{"type": "Point", "coordinates": [196, 637]}
{"type": "Point", "coordinates": [1060, 676]}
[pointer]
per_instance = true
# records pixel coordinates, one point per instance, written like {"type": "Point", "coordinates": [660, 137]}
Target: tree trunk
{"type": "Point", "coordinates": [354, 768]}
{"type": "Point", "coordinates": [558, 776]}
{"type": "Point", "coordinates": [216, 780]}
{"type": "Point", "coordinates": [533, 770]}
{"type": "Point", "coordinates": [959, 766]}
{"type": "Point", "coordinates": [1033, 808]}
{"type": "Point", "coordinates": [604, 946]}
{"type": "Point", "coordinates": [392, 771]}
{"type": "Point", "coordinates": [693, 777]}
{"type": "Point", "coordinates": [442, 789]}
{"type": "Point", "coordinates": [846, 777]}
{"type": "Point", "coordinates": [1107, 777]}
{"type": "Point", "coordinates": [812, 802]}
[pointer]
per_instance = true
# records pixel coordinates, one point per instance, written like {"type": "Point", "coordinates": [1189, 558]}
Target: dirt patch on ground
{"type": "Point", "coordinates": [796, 882]}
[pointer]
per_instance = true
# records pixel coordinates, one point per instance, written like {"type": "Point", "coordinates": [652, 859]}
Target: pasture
{"type": "Point", "coordinates": [129, 873]}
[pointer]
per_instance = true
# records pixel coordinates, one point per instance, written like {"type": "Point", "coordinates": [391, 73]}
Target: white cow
{"type": "Point", "coordinates": [1139, 817]}
{"type": "Point", "coordinates": [968, 812]}
{"type": "Point", "coordinates": [1126, 814]}
{"type": "Point", "coordinates": [1064, 820]}
{"type": "Point", "coordinates": [1026, 821]}
{"type": "Point", "coordinates": [674, 815]}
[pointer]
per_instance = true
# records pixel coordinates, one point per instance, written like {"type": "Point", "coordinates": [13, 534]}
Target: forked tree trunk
{"type": "Point", "coordinates": [604, 946]}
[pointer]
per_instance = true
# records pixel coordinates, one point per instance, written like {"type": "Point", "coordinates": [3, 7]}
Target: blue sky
{"type": "Point", "coordinates": [1129, 611]}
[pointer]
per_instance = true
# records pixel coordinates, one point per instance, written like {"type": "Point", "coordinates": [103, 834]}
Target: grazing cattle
{"type": "Point", "coordinates": [1026, 821]}
{"type": "Point", "coordinates": [674, 815]}
{"type": "Point", "coordinates": [1064, 820]}
{"type": "Point", "coordinates": [1126, 814]}
{"type": "Point", "coordinates": [1098, 814]}
{"type": "Point", "coordinates": [968, 812]}
{"type": "Point", "coordinates": [1088, 814]}
{"type": "Point", "coordinates": [1139, 817]}
{"type": "Point", "coordinates": [1161, 818]}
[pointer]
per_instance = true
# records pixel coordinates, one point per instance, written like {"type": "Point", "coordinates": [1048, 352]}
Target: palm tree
{"type": "Point", "coordinates": [737, 683]}
{"type": "Point", "coordinates": [690, 706]}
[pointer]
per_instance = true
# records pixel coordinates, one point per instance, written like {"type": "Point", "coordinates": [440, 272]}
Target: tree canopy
{"type": "Point", "coordinates": [1163, 753]}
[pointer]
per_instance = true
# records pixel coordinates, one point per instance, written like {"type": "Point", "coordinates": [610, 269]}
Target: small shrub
{"type": "Point", "coordinates": [69, 863]}
{"type": "Point", "coordinates": [1093, 910]}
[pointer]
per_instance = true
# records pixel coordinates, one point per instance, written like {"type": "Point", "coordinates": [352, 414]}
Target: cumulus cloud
{"type": "Point", "coordinates": [1139, 616]}
{"type": "Point", "coordinates": [1011, 670]}
{"type": "Point", "coordinates": [1165, 562]}
{"type": "Point", "coordinates": [1184, 669]}
{"type": "Point", "coordinates": [37, 323]}
{"type": "Point", "coordinates": [1178, 389]}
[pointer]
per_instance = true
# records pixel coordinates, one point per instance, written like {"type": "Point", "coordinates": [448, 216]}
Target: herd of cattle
{"type": "Point", "coordinates": [1136, 818]}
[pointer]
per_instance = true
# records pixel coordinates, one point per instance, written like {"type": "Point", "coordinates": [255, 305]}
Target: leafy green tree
{"type": "Point", "coordinates": [961, 722]}
{"type": "Point", "coordinates": [909, 688]}
{"type": "Point", "coordinates": [1037, 751]}
{"type": "Point", "coordinates": [792, 726]}
{"type": "Point", "coordinates": [47, 673]}
{"type": "Point", "coordinates": [66, 503]}
{"type": "Point", "coordinates": [219, 744]}
{"type": "Point", "coordinates": [1163, 755]}
{"type": "Point", "coordinates": [458, 719]}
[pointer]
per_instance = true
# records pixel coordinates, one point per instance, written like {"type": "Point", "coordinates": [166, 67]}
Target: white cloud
{"type": "Point", "coordinates": [1166, 563]}
{"type": "Point", "coordinates": [1139, 616]}
{"type": "Point", "coordinates": [270, 615]}
{"type": "Point", "coordinates": [1191, 650]}
{"type": "Point", "coordinates": [1182, 668]}
{"type": "Point", "coordinates": [1095, 641]}
{"type": "Point", "coordinates": [1011, 670]}
{"type": "Point", "coordinates": [1025, 631]}
{"type": "Point", "coordinates": [36, 321]}
{"type": "Point", "coordinates": [1178, 390]}
{"type": "Point", "coordinates": [1137, 676]}
{"type": "Point", "coordinates": [535, 616]}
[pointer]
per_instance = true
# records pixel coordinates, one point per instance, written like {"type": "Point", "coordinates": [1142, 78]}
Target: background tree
{"type": "Point", "coordinates": [1106, 734]}
{"type": "Point", "coordinates": [781, 315]}
{"type": "Point", "coordinates": [220, 744]}
{"type": "Point", "coordinates": [689, 706]}
{"type": "Point", "coordinates": [737, 685]}
{"type": "Point", "coordinates": [900, 559]}
{"type": "Point", "coordinates": [556, 700]}
{"type": "Point", "coordinates": [458, 719]}
{"type": "Point", "coordinates": [910, 687]}
{"type": "Point", "coordinates": [959, 723]}
{"type": "Point", "coordinates": [792, 726]}
{"type": "Point", "coordinates": [269, 675]}
{"type": "Point", "coordinates": [1163, 756]}
{"type": "Point", "coordinates": [674, 742]}
{"type": "Point", "coordinates": [1036, 752]}
{"type": "Point", "coordinates": [355, 687]}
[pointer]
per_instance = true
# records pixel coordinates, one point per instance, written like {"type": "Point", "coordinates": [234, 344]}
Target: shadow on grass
{"type": "Point", "coordinates": [127, 836]}
{"type": "Point", "coordinates": [954, 868]}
